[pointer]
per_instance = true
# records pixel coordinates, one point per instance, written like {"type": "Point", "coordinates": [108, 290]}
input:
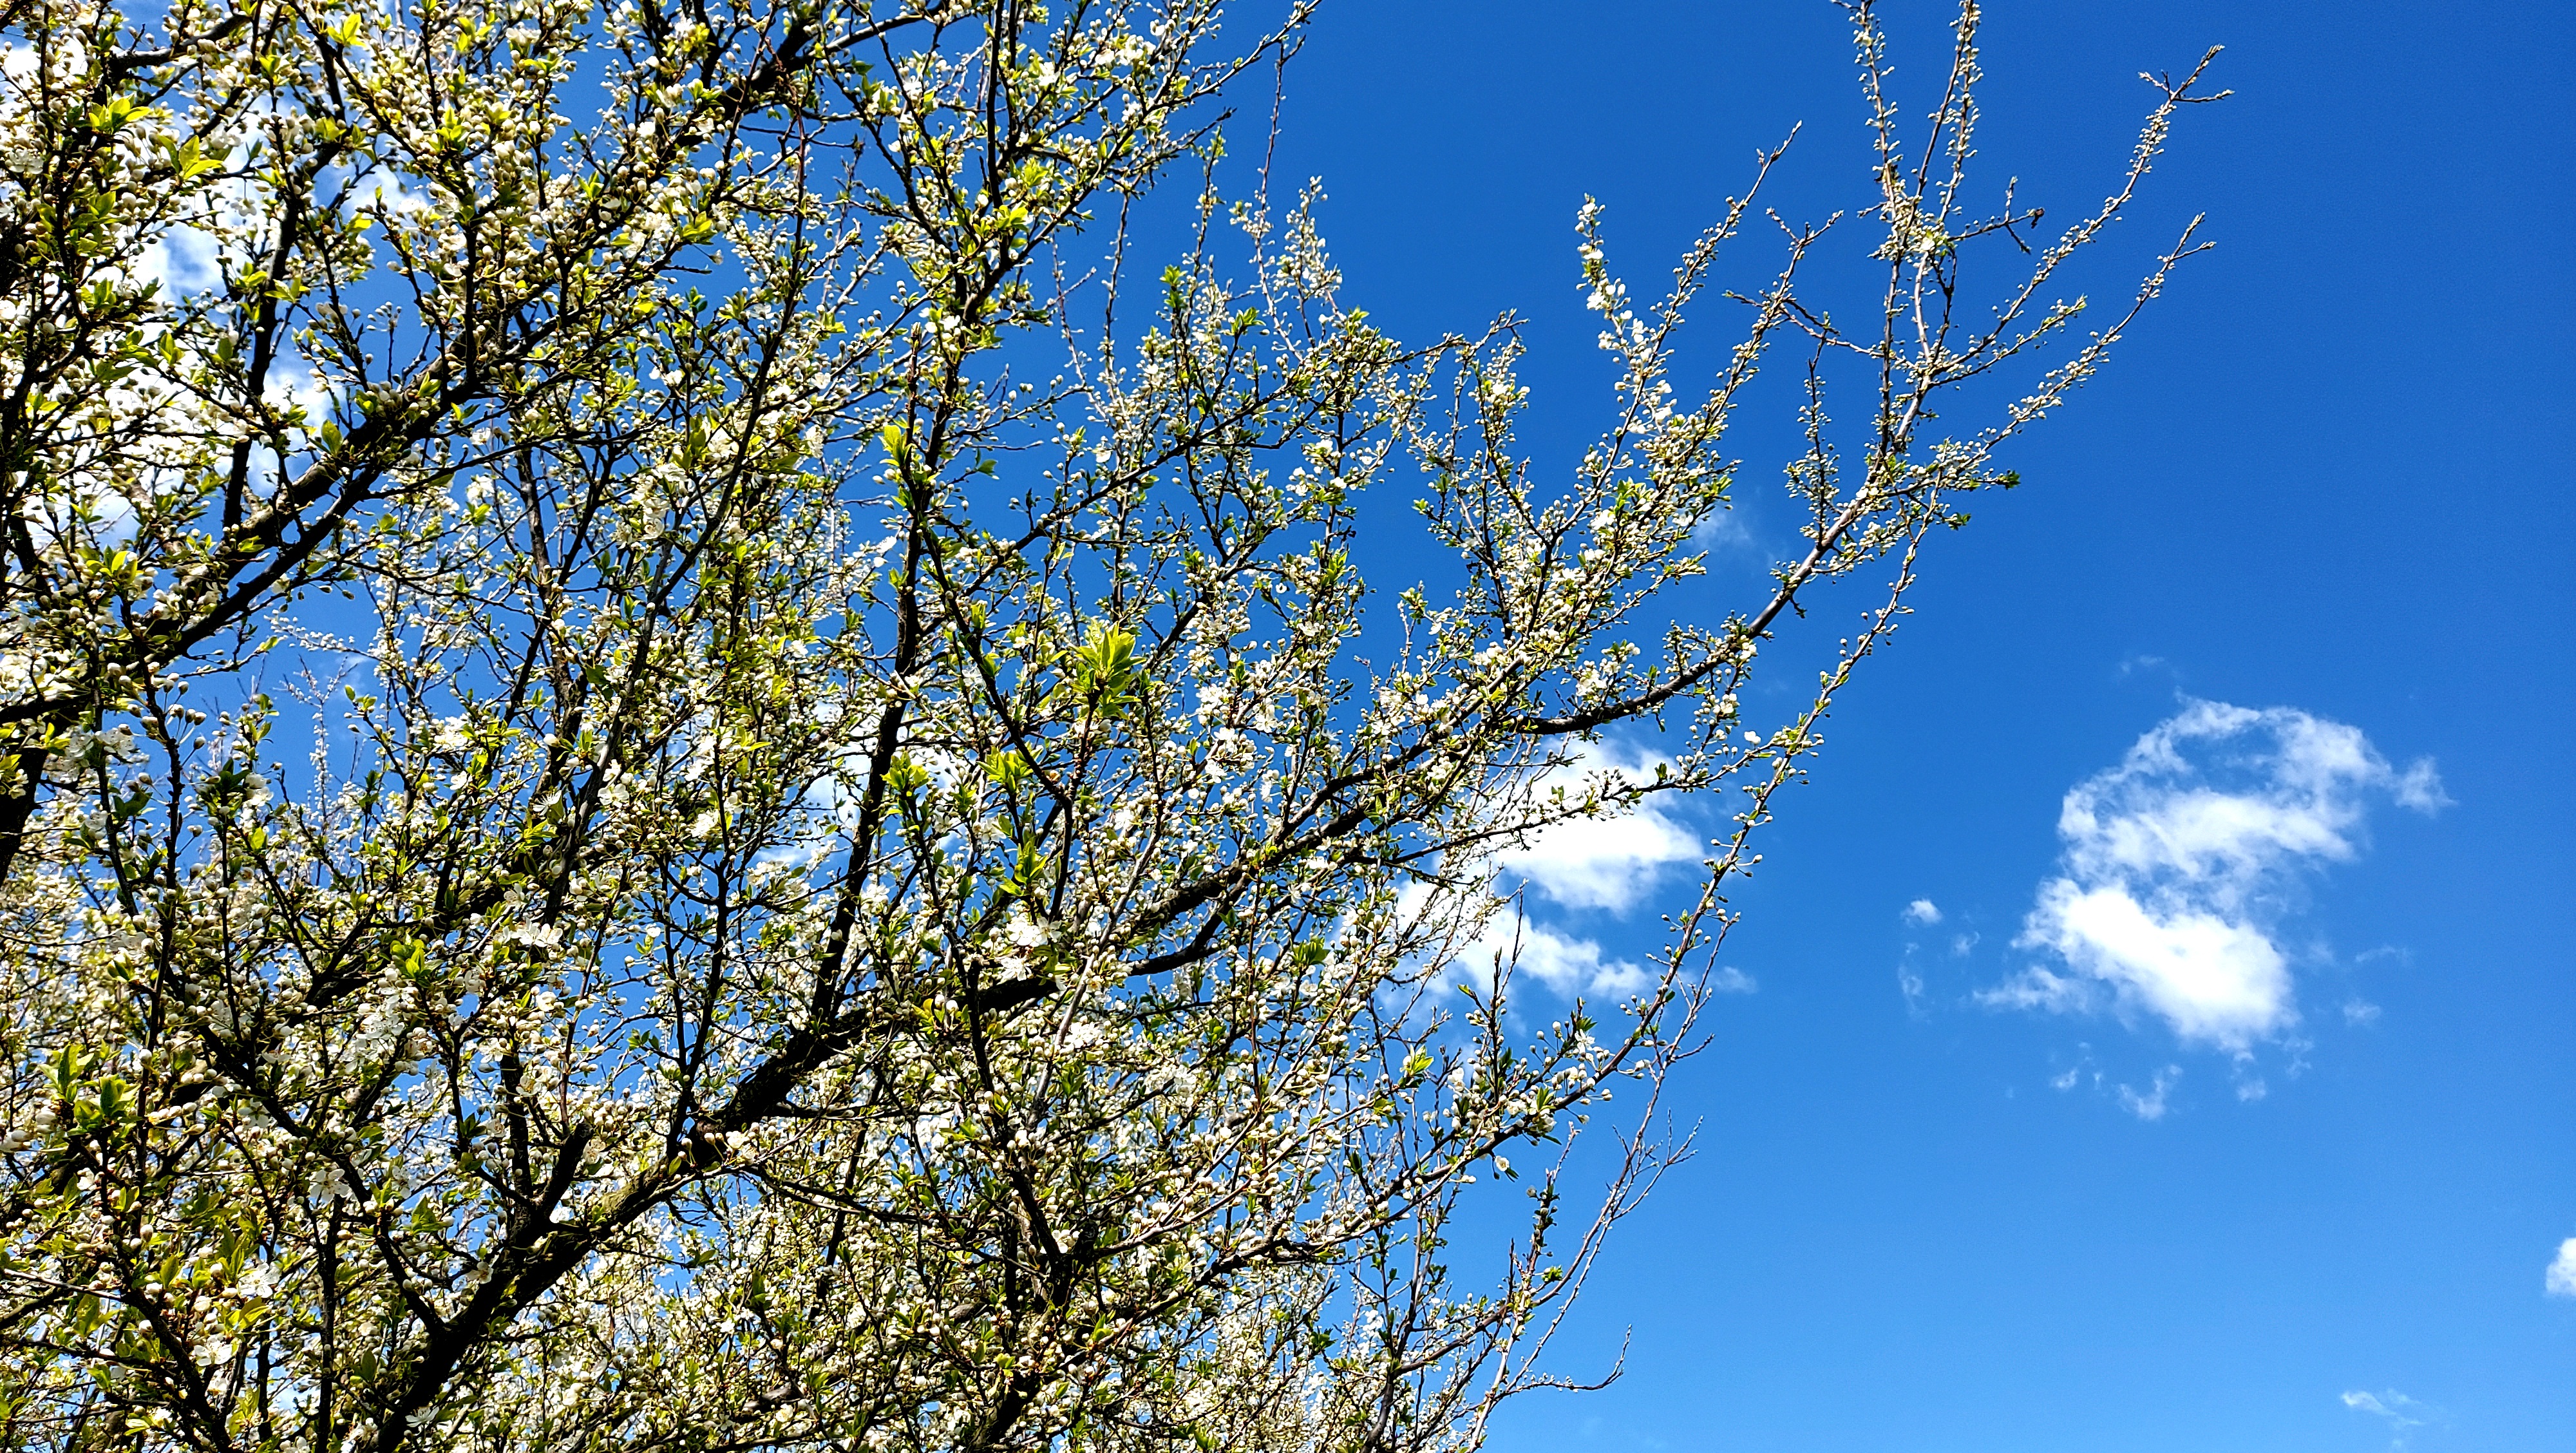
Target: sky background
{"type": "Point", "coordinates": [2326, 480]}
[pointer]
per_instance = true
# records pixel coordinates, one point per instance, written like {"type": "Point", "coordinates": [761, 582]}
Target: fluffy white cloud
{"type": "Point", "coordinates": [2179, 859]}
{"type": "Point", "coordinates": [2561, 1279]}
{"type": "Point", "coordinates": [1471, 949]}
{"type": "Point", "coordinates": [183, 260]}
{"type": "Point", "coordinates": [1569, 966]}
{"type": "Point", "coordinates": [1608, 861]}
{"type": "Point", "coordinates": [1923, 913]}
{"type": "Point", "coordinates": [2211, 979]}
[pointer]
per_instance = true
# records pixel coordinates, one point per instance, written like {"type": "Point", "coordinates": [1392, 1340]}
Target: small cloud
{"type": "Point", "coordinates": [1609, 861]}
{"type": "Point", "coordinates": [2379, 1403]}
{"type": "Point", "coordinates": [2037, 988]}
{"type": "Point", "coordinates": [1732, 980]}
{"type": "Point", "coordinates": [2151, 1105]}
{"type": "Point", "coordinates": [2561, 1278]}
{"type": "Point", "coordinates": [1964, 944]}
{"type": "Point", "coordinates": [2420, 788]}
{"type": "Point", "coordinates": [1722, 528]}
{"type": "Point", "coordinates": [2075, 1072]}
{"type": "Point", "coordinates": [2402, 1412]}
{"type": "Point", "coordinates": [2180, 859]}
{"type": "Point", "coordinates": [1910, 984]}
{"type": "Point", "coordinates": [1922, 913]}
{"type": "Point", "coordinates": [2358, 1012]}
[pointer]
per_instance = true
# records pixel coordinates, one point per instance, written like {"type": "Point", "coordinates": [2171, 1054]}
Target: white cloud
{"type": "Point", "coordinates": [1570, 966]}
{"type": "Point", "coordinates": [2358, 1012]}
{"type": "Point", "coordinates": [2151, 1105]}
{"type": "Point", "coordinates": [95, 514]}
{"type": "Point", "coordinates": [1609, 861]}
{"type": "Point", "coordinates": [1922, 912]}
{"type": "Point", "coordinates": [2080, 1072]}
{"type": "Point", "coordinates": [294, 378]}
{"type": "Point", "coordinates": [2037, 988]}
{"type": "Point", "coordinates": [2179, 860]}
{"type": "Point", "coordinates": [2401, 1411]}
{"type": "Point", "coordinates": [1721, 528]}
{"type": "Point", "coordinates": [2211, 979]}
{"type": "Point", "coordinates": [2561, 1278]}
{"type": "Point", "coordinates": [378, 190]}
{"type": "Point", "coordinates": [2390, 1404]}
{"type": "Point", "coordinates": [1910, 984]}
{"type": "Point", "coordinates": [183, 260]}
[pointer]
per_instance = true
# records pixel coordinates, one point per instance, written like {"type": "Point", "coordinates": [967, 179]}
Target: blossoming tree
{"type": "Point", "coordinates": [849, 883]}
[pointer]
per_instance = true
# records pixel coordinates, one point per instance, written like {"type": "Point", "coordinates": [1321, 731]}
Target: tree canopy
{"type": "Point", "coordinates": [860, 867]}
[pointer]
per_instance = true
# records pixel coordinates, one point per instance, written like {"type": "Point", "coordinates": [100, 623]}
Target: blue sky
{"type": "Point", "coordinates": [2307, 1204]}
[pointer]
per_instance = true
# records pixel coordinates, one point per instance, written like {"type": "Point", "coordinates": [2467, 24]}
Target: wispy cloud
{"type": "Point", "coordinates": [1569, 966]}
{"type": "Point", "coordinates": [2180, 861]}
{"type": "Point", "coordinates": [2400, 1411]}
{"type": "Point", "coordinates": [1923, 913]}
{"type": "Point", "coordinates": [2076, 1073]}
{"type": "Point", "coordinates": [2561, 1277]}
{"type": "Point", "coordinates": [1610, 861]}
{"type": "Point", "coordinates": [1720, 530]}
{"type": "Point", "coordinates": [1910, 984]}
{"type": "Point", "coordinates": [2151, 1105]}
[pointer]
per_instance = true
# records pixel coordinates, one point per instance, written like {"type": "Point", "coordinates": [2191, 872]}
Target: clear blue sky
{"type": "Point", "coordinates": [2328, 476]}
